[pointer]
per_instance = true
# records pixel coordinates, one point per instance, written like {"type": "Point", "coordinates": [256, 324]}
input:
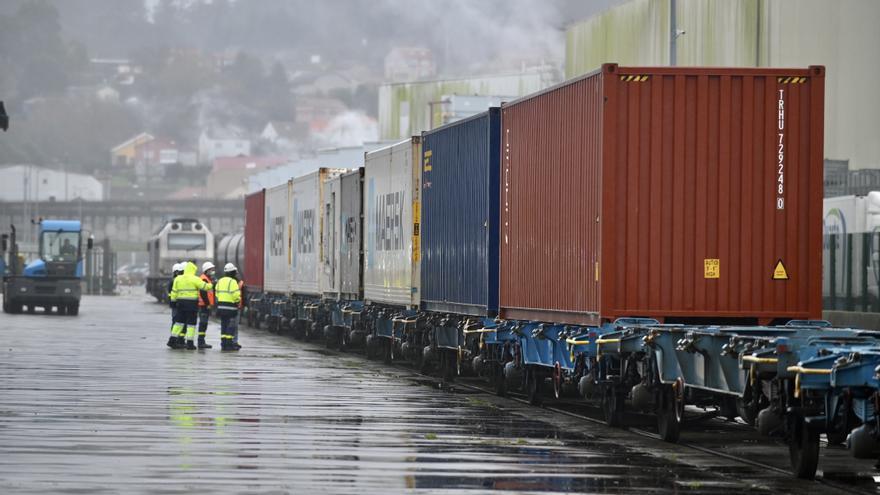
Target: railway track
{"type": "Point", "coordinates": [858, 482]}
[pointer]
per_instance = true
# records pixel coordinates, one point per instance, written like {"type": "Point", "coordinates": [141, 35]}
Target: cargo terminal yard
{"type": "Point", "coordinates": [261, 420]}
{"type": "Point", "coordinates": [507, 246]}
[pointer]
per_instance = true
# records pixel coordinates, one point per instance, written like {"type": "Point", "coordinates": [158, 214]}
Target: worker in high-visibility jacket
{"type": "Point", "coordinates": [185, 294]}
{"type": "Point", "coordinates": [206, 302]}
{"type": "Point", "coordinates": [176, 270]}
{"type": "Point", "coordinates": [228, 300]}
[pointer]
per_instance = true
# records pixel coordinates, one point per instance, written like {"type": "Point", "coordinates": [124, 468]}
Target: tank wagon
{"type": "Point", "coordinates": [646, 238]}
{"type": "Point", "coordinates": [178, 239]}
{"type": "Point", "coordinates": [229, 248]}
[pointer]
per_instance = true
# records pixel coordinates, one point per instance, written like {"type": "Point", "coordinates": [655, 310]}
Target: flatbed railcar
{"type": "Point", "coordinates": [656, 244]}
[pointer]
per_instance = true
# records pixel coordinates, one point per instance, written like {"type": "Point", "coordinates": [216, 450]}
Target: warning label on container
{"type": "Point", "coordinates": [779, 272]}
{"type": "Point", "coordinates": [711, 268]}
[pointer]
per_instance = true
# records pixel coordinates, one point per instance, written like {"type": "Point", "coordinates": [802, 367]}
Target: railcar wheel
{"type": "Point", "coordinates": [670, 413]}
{"type": "Point", "coordinates": [447, 365]}
{"type": "Point", "coordinates": [612, 406]}
{"type": "Point", "coordinates": [533, 388]}
{"type": "Point", "coordinates": [557, 380]}
{"type": "Point", "coordinates": [747, 411]}
{"type": "Point", "coordinates": [500, 381]}
{"type": "Point", "coordinates": [388, 350]}
{"type": "Point", "coordinates": [370, 347]}
{"type": "Point", "coordinates": [836, 437]}
{"type": "Point", "coordinates": [728, 408]}
{"type": "Point", "coordinates": [803, 450]}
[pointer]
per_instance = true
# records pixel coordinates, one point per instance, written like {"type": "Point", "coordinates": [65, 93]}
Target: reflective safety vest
{"type": "Point", "coordinates": [186, 287]}
{"type": "Point", "coordinates": [228, 293]}
{"type": "Point", "coordinates": [206, 297]}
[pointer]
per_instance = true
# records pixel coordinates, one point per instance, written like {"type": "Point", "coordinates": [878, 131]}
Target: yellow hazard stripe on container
{"type": "Point", "coordinates": [417, 221]}
{"type": "Point", "coordinates": [634, 78]}
{"type": "Point", "coordinates": [791, 80]}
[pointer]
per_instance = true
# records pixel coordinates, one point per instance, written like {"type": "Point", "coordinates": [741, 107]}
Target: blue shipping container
{"type": "Point", "coordinates": [459, 218]}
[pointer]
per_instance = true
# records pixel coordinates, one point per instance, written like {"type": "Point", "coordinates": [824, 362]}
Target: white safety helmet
{"type": "Point", "coordinates": [229, 268]}
{"type": "Point", "coordinates": [177, 267]}
{"type": "Point", "coordinates": [207, 266]}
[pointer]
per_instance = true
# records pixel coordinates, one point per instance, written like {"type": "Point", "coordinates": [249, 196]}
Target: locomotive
{"type": "Point", "coordinates": [177, 240]}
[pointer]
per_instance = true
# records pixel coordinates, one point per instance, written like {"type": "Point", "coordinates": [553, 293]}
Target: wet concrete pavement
{"type": "Point", "coordinates": [98, 404]}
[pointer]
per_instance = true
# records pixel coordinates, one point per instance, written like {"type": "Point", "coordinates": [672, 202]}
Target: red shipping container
{"type": "Point", "coordinates": [254, 231]}
{"type": "Point", "coordinates": [683, 194]}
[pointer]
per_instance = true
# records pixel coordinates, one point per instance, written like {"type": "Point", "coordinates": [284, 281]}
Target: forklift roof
{"type": "Point", "coordinates": [62, 225]}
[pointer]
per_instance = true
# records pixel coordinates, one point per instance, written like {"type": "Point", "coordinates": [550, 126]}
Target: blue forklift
{"type": "Point", "coordinates": [54, 279]}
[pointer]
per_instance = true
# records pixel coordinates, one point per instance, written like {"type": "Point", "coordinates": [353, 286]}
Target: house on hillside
{"type": "Point", "coordinates": [152, 157]}
{"type": "Point", "coordinates": [222, 143]}
{"type": "Point", "coordinates": [123, 154]}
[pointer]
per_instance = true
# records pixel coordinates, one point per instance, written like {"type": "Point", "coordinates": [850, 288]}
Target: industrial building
{"type": "Point", "coordinates": [841, 35]}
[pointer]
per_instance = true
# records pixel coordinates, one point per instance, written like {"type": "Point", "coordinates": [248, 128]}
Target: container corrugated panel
{"type": "Point", "coordinates": [330, 267]}
{"type": "Point", "coordinates": [460, 173]}
{"type": "Point", "coordinates": [309, 252]}
{"type": "Point", "coordinates": [392, 183]}
{"type": "Point", "coordinates": [277, 253]}
{"type": "Point", "coordinates": [676, 193]}
{"type": "Point", "coordinates": [341, 272]}
{"type": "Point", "coordinates": [348, 229]}
{"type": "Point", "coordinates": [254, 231]}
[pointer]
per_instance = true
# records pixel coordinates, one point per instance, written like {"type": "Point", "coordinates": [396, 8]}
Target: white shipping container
{"type": "Point", "coordinates": [276, 252]}
{"type": "Point", "coordinates": [392, 202]}
{"type": "Point", "coordinates": [307, 193]}
{"type": "Point", "coordinates": [343, 203]}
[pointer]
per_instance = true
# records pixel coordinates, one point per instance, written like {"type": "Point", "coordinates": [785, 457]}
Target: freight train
{"type": "Point", "coordinates": [178, 239]}
{"type": "Point", "coordinates": [645, 238]}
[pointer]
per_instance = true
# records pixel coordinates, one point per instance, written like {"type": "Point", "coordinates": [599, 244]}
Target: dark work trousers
{"type": "Point", "coordinates": [204, 314]}
{"type": "Point", "coordinates": [228, 320]}
{"type": "Point", "coordinates": [187, 316]}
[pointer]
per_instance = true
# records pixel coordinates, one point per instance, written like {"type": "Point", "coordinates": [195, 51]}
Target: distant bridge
{"type": "Point", "coordinates": [128, 224]}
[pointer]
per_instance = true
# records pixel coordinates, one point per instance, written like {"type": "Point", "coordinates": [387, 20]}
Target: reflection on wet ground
{"type": "Point", "coordinates": [97, 404]}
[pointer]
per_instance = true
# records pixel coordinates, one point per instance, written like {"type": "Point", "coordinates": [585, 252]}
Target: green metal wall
{"type": "Point", "coordinates": [394, 98]}
{"type": "Point", "coordinates": [842, 35]}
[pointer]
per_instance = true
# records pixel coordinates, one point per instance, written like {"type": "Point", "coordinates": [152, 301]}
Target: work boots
{"type": "Point", "coordinates": [203, 344]}
{"type": "Point", "coordinates": [228, 345]}
{"type": "Point", "coordinates": [190, 346]}
{"type": "Point", "coordinates": [172, 342]}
